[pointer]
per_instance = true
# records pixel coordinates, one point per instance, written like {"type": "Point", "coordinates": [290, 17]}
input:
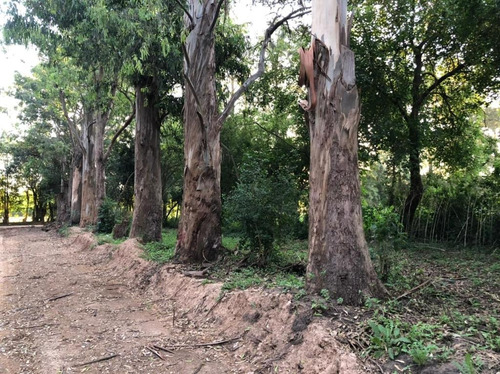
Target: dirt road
{"type": "Point", "coordinates": [70, 306]}
{"type": "Point", "coordinates": [61, 308]}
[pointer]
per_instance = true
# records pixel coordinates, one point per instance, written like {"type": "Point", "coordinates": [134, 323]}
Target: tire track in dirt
{"type": "Point", "coordinates": [60, 308]}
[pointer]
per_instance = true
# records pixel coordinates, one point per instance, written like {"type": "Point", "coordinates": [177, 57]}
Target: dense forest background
{"type": "Point", "coordinates": [428, 73]}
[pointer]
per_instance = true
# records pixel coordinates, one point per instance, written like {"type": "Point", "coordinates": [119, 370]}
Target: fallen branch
{"type": "Point", "coordinates": [97, 360]}
{"type": "Point", "coordinates": [414, 289]}
{"type": "Point", "coordinates": [36, 326]}
{"type": "Point", "coordinates": [218, 342]}
{"type": "Point", "coordinates": [162, 349]}
{"type": "Point", "coordinates": [60, 297]}
{"type": "Point", "coordinates": [154, 352]}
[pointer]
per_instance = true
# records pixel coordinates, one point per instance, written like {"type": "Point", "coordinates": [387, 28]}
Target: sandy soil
{"type": "Point", "coordinates": [66, 303]}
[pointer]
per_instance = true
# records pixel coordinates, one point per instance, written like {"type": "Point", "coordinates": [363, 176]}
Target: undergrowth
{"type": "Point", "coordinates": [445, 304]}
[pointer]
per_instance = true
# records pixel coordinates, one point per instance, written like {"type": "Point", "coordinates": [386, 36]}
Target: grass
{"type": "Point", "coordinates": [162, 252]}
{"type": "Point", "coordinates": [108, 239]}
{"type": "Point", "coordinates": [454, 317]}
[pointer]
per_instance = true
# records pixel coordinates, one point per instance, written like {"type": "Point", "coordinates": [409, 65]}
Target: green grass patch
{"type": "Point", "coordinates": [162, 252]}
{"type": "Point", "coordinates": [108, 239]}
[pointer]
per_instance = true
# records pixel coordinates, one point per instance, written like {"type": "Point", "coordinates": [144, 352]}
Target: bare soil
{"type": "Point", "coordinates": [68, 305]}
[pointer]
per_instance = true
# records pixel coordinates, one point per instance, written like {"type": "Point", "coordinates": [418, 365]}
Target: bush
{"type": "Point", "coordinates": [384, 232]}
{"type": "Point", "coordinates": [106, 217]}
{"type": "Point", "coordinates": [263, 207]}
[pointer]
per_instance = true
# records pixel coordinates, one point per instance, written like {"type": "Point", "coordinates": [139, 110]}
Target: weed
{"type": "Point", "coordinates": [64, 231]}
{"type": "Point", "coordinates": [386, 339]}
{"type": "Point", "coordinates": [470, 365]}
{"type": "Point", "coordinates": [108, 239]}
{"type": "Point", "coordinates": [420, 353]}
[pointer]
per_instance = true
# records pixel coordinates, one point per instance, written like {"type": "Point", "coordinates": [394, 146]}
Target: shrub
{"type": "Point", "coordinates": [106, 217]}
{"type": "Point", "coordinates": [263, 207]}
{"type": "Point", "coordinates": [385, 235]}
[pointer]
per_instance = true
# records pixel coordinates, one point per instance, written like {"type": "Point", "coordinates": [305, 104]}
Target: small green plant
{"type": "Point", "coordinates": [300, 294]}
{"type": "Point", "coordinates": [386, 339]}
{"type": "Point", "coordinates": [470, 365]}
{"type": "Point", "coordinates": [163, 251]}
{"type": "Point", "coordinates": [420, 353]}
{"type": "Point", "coordinates": [260, 213]}
{"type": "Point", "coordinates": [64, 231]}
{"type": "Point", "coordinates": [386, 235]}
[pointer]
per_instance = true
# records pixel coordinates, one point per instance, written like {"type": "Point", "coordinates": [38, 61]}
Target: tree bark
{"type": "Point", "coordinates": [88, 213]}
{"type": "Point", "coordinates": [199, 234]}
{"type": "Point", "coordinates": [416, 186]}
{"type": "Point", "coordinates": [76, 187]}
{"type": "Point", "coordinates": [147, 218]}
{"type": "Point", "coordinates": [338, 253]}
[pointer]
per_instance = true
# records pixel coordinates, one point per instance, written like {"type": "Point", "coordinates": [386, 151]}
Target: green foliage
{"type": "Point", "coordinates": [386, 339]}
{"type": "Point", "coordinates": [385, 235]}
{"type": "Point", "coordinates": [163, 251]}
{"type": "Point", "coordinates": [420, 353]}
{"type": "Point", "coordinates": [63, 231]}
{"type": "Point", "coordinates": [107, 216]}
{"type": "Point", "coordinates": [470, 365]}
{"type": "Point", "coordinates": [262, 207]}
{"type": "Point", "coordinates": [108, 239]}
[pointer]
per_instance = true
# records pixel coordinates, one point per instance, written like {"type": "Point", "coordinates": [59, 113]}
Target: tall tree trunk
{"type": "Point", "coordinates": [100, 167]}
{"type": "Point", "coordinates": [338, 252]}
{"type": "Point", "coordinates": [199, 235]}
{"type": "Point", "coordinates": [416, 186]}
{"type": "Point", "coordinates": [88, 215]}
{"type": "Point", "coordinates": [147, 218]}
{"type": "Point", "coordinates": [76, 187]}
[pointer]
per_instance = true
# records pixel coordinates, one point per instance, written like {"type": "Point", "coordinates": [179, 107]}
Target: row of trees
{"type": "Point", "coordinates": [105, 109]}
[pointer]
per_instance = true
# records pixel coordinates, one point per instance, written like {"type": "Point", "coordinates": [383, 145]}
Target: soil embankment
{"type": "Point", "coordinates": [67, 305]}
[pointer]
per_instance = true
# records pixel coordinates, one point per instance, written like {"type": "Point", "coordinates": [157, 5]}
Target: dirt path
{"type": "Point", "coordinates": [61, 308]}
{"type": "Point", "coordinates": [70, 306]}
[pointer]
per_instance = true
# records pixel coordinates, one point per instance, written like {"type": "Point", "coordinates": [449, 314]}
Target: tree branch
{"type": "Point", "coordinates": [216, 16]}
{"type": "Point", "coordinates": [75, 134]}
{"type": "Point", "coordinates": [275, 135]}
{"type": "Point", "coordinates": [456, 70]}
{"type": "Point", "coordinates": [128, 121]}
{"type": "Point", "coordinates": [261, 66]}
{"type": "Point", "coordinates": [186, 12]}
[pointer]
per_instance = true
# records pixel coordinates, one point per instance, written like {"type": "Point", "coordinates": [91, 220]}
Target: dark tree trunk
{"type": "Point", "coordinates": [199, 235]}
{"type": "Point", "coordinates": [416, 186]}
{"type": "Point", "coordinates": [147, 218]}
{"type": "Point", "coordinates": [338, 253]}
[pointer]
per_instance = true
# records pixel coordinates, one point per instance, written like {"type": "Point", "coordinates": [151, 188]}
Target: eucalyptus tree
{"type": "Point", "coordinates": [42, 114]}
{"type": "Point", "coordinates": [153, 64]}
{"type": "Point", "coordinates": [338, 253]}
{"type": "Point", "coordinates": [199, 234]}
{"type": "Point", "coordinates": [83, 31]}
{"type": "Point", "coordinates": [422, 67]}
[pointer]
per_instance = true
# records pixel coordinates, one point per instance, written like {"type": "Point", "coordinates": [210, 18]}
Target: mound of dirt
{"type": "Point", "coordinates": [256, 325]}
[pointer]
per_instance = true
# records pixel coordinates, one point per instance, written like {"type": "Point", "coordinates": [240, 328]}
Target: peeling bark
{"type": "Point", "coordinates": [199, 235]}
{"type": "Point", "coordinates": [338, 253]}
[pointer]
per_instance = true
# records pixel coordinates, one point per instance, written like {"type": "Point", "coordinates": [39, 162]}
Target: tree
{"type": "Point", "coordinates": [423, 66]}
{"type": "Point", "coordinates": [85, 32]}
{"type": "Point", "coordinates": [154, 67]}
{"type": "Point", "coordinates": [199, 234]}
{"type": "Point", "coordinates": [338, 253]}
